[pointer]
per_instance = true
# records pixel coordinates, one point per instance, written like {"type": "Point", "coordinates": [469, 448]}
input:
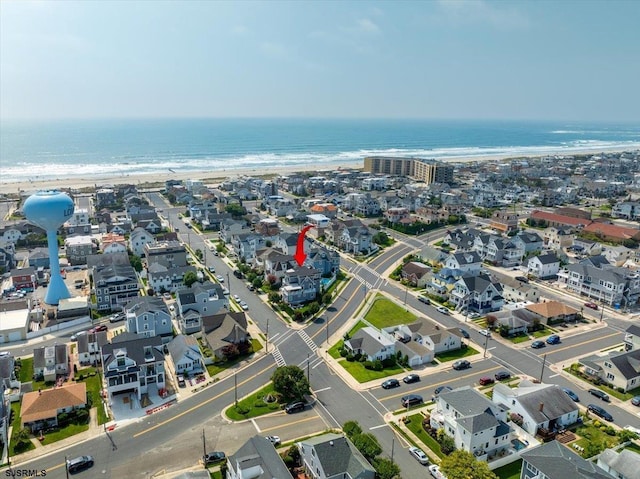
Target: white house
{"type": "Point", "coordinates": [469, 262]}
{"type": "Point", "coordinates": [372, 343]}
{"type": "Point", "coordinates": [543, 266]}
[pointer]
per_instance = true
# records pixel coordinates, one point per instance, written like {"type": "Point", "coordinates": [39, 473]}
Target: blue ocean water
{"type": "Point", "coordinates": [42, 150]}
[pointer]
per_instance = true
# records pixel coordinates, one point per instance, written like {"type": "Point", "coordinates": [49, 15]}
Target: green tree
{"type": "Point", "coordinates": [351, 428]}
{"type": "Point", "coordinates": [367, 444]}
{"type": "Point", "coordinates": [290, 382]}
{"type": "Point", "coordinates": [235, 210]}
{"type": "Point", "coordinates": [462, 465]}
{"type": "Point", "coordinates": [386, 468]}
{"type": "Point", "coordinates": [136, 262]}
{"type": "Point", "coordinates": [190, 277]}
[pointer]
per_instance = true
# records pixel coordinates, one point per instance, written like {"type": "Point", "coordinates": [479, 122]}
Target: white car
{"type": "Point", "coordinates": [442, 310]}
{"type": "Point", "coordinates": [633, 429]}
{"type": "Point", "coordinates": [275, 440]}
{"type": "Point", "coordinates": [244, 305]}
{"type": "Point", "coordinates": [220, 278]}
{"type": "Point", "coordinates": [485, 332]}
{"type": "Point", "coordinates": [434, 470]}
{"type": "Point", "coordinates": [419, 454]}
{"type": "Point", "coordinates": [236, 297]}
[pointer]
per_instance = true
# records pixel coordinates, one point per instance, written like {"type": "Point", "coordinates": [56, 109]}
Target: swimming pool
{"type": "Point", "coordinates": [518, 444]}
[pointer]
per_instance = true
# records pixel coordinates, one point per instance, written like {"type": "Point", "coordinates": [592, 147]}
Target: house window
{"type": "Point", "coordinates": [532, 469]}
{"type": "Point", "coordinates": [120, 362]}
{"type": "Point", "coordinates": [607, 364]}
{"type": "Point", "coordinates": [610, 376]}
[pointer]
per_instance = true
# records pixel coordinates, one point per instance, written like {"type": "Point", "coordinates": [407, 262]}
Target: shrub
{"type": "Point", "coordinates": [344, 352]}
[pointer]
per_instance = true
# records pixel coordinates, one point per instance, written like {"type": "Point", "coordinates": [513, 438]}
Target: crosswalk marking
{"type": "Point", "coordinates": [305, 337]}
{"type": "Point", "coordinates": [278, 357]}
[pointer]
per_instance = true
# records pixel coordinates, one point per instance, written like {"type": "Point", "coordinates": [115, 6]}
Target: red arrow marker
{"type": "Point", "coordinates": [300, 255]}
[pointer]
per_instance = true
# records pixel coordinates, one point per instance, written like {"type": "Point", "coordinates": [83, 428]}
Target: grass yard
{"type": "Point", "coordinates": [522, 338]}
{"type": "Point", "coordinates": [94, 386]}
{"type": "Point", "coordinates": [542, 333]}
{"type": "Point", "coordinates": [64, 433]}
{"type": "Point", "coordinates": [510, 471]}
{"type": "Point", "coordinates": [26, 375]}
{"type": "Point", "coordinates": [415, 426]}
{"type": "Point", "coordinates": [456, 354]}
{"type": "Point", "coordinates": [216, 368]}
{"type": "Point", "coordinates": [591, 434]}
{"type": "Point", "coordinates": [15, 407]}
{"type": "Point", "coordinates": [253, 405]}
{"type": "Point", "coordinates": [363, 375]}
{"type": "Point", "coordinates": [384, 313]}
{"type": "Point", "coordinates": [334, 350]}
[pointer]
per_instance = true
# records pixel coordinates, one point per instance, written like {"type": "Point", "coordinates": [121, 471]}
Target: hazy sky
{"type": "Point", "coordinates": [566, 60]}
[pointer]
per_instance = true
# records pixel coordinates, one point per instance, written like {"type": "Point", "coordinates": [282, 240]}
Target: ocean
{"type": "Point", "coordinates": [47, 150]}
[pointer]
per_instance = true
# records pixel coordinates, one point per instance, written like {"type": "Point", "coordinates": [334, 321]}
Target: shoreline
{"type": "Point", "coordinates": [216, 176]}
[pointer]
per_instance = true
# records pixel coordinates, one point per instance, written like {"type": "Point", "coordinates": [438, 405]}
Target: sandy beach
{"type": "Point", "coordinates": [217, 176]}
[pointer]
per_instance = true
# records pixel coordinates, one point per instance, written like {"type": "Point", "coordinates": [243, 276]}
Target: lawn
{"type": "Point", "coordinates": [363, 375]}
{"type": "Point", "coordinates": [15, 407]}
{"type": "Point", "coordinates": [542, 333]}
{"type": "Point", "coordinates": [415, 426]}
{"type": "Point", "coordinates": [522, 338]}
{"type": "Point", "coordinates": [455, 354]}
{"type": "Point", "coordinates": [216, 368]}
{"type": "Point", "coordinates": [334, 350]}
{"type": "Point", "coordinates": [94, 387]}
{"type": "Point", "coordinates": [26, 375]}
{"type": "Point", "coordinates": [384, 313]}
{"type": "Point", "coordinates": [64, 433]}
{"type": "Point", "coordinates": [253, 405]}
{"type": "Point", "coordinates": [592, 434]}
{"type": "Point", "coordinates": [510, 471]}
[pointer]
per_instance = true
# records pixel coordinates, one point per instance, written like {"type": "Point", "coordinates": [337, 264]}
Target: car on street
{"type": "Point", "coordinates": [442, 310]}
{"type": "Point", "coordinates": [275, 440]}
{"type": "Point", "coordinates": [411, 400]}
{"type": "Point", "coordinates": [411, 378]}
{"type": "Point", "coordinates": [212, 269]}
{"type": "Point", "coordinates": [599, 411]}
{"type": "Point", "coordinates": [461, 364]}
{"type": "Point", "coordinates": [553, 339]}
{"type": "Point", "coordinates": [424, 299]}
{"type": "Point", "coordinates": [390, 383]}
{"type": "Point", "coordinates": [213, 457]}
{"type": "Point", "coordinates": [296, 406]}
{"type": "Point", "coordinates": [600, 394]}
{"type": "Point", "coordinates": [98, 328]}
{"type": "Point", "coordinates": [537, 344]}
{"type": "Point", "coordinates": [633, 429]}
{"type": "Point", "coordinates": [485, 380]}
{"type": "Point", "coordinates": [114, 318]}
{"type": "Point", "coordinates": [236, 297]}
{"type": "Point", "coordinates": [635, 400]}
{"type": "Point", "coordinates": [474, 315]}
{"type": "Point", "coordinates": [220, 278]}
{"type": "Point", "coordinates": [571, 394]}
{"type": "Point", "coordinates": [78, 464]}
{"type": "Point", "coordinates": [420, 456]}
{"type": "Point", "coordinates": [442, 389]}
{"type": "Point", "coordinates": [244, 305]}
{"type": "Point", "coordinates": [591, 305]}
{"type": "Point", "coordinates": [502, 375]}
{"type": "Point", "coordinates": [250, 287]}
{"type": "Point", "coordinates": [485, 332]}
{"type": "Point", "coordinates": [181, 381]}
{"type": "Point", "coordinates": [522, 279]}
{"type": "Point", "coordinates": [464, 332]}
{"type": "Point", "coordinates": [74, 337]}
{"type": "Point", "coordinates": [434, 470]}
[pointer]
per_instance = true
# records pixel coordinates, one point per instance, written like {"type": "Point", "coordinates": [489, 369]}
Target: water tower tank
{"type": "Point", "coordinates": [49, 210]}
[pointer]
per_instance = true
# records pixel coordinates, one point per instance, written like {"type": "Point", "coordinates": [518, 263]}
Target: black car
{"type": "Point", "coordinates": [537, 344]}
{"type": "Point", "coordinates": [411, 378]}
{"type": "Point", "coordinates": [571, 394]}
{"type": "Point", "coordinates": [599, 394]}
{"type": "Point", "coordinates": [502, 375]}
{"type": "Point", "coordinates": [598, 411]}
{"type": "Point", "coordinates": [78, 464]}
{"type": "Point", "coordinates": [390, 383]}
{"type": "Point", "coordinates": [213, 457]}
{"type": "Point", "coordinates": [294, 407]}
{"type": "Point", "coordinates": [441, 389]}
{"type": "Point", "coordinates": [465, 333]}
{"type": "Point", "coordinates": [424, 299]}
{"type": "Point", "coordinates": [461, 364]}
{"type": "Point", "coordinates": [411, 400]}
{"type": "Point", "coordinates": [522, 279]}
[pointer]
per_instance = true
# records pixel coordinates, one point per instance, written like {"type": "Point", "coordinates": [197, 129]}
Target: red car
{"type": "Point", "coordinates": [591, 305]}
{"type": "Point", "coordinates": [486, 380]}
{"type": "Point", "coordinates": [97, 329]}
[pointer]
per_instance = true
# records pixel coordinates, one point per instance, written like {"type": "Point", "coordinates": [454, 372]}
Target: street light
{"type": "Point", "coordinates": [486, 340]}
{"type": "Point", "coordinates": [266, 349]}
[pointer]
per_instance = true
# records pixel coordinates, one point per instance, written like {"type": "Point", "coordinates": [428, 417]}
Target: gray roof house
{"type": "Point", "coordinates": [632, 337]}
{"type": "Point", "coordinates": [552, 460]}
{"type": "Point", "coordinates": [148, 316]}
{"type": "Point", "coordinates": [621, 465]}
{"type": "Point", "coordinates": [372, 343]}
{"type": "Point", "coordinates": [477, 293]}
{"type": "Point", "coordinates": [543, 406]}
{"type": "Point", "coordinates": [620, 369]}
{"type": "Point", "coordinates": [469, 262]}
{"type": "Point", "coordinates": [256, 459]}
{"type": "Point", "coordinates": [223, 329]}
{"type": "Point", "coordinates": [300, 285]}
{"type": "Point", "coordinates": [205, 298]}
{"type": "Point", "coordinates": [543, 266]}
{"type": "Point", "coordinates": [89, 346]}
{"type": "Point", "coordinates": [185, 354]}
{"type": "Point", "coordinates": [115, 281]}
{"type": "Point", "coordinates": [138, 238]}
{"type": "Point", "coordinates": [51, 361]}
{"type": "Point", "coordinates": [333, 456]}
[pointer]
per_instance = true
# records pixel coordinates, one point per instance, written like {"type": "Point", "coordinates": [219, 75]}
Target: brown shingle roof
{"type": "Point", "coordinates": [45, 404]}
{"type": "Point", "coordinates": [551, 309]}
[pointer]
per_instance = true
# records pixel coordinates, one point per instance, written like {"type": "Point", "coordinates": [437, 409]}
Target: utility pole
{"type": "Point", "coordinates": [266, 348]}
{"type": "Point", "coordinates": [235, 387]}
{"type": "Point", "coordinates": [308, 380]}
{"type": "Point", "coordinates": [327, 329]}
{"type": "Point", "coordinates": [393, 444]}
{"type": "Point", "coordinates": [66, 466]}
{"type": "Point", "coordinates": [406, 291]}
{"type": "Point", "coordinates": [486, 340]}
{"type": "Point", "coordinates": [204, 444]}
{"type": "Point", "coordinates": [228, 284]}
{"type": "Point", "coordinates": [544, 362]}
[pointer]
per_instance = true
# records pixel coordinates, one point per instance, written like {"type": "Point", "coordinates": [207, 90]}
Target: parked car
{"type": "Point", "coordinates": [442, 389]}
{"type": "Point", "coordinates": [424, 299]}
{"type": "Point", "coordinates": [600, 394]}
{"type": "Point", "coordinates": [244, 305]}
{"type": "Point", "coordinates": [236, 297]}
{"type": "Point", "coordinates": [571, 394]}
{"type": "Point", "coordinates": [633, 429]}
{"type": "Point", "coordinates": [485, 332]}
{"type": "Point", "coordinates": [599, 411]}
{"type": "Point", "coordinates": [411, 378]}
{"type": "Point", "coordinates": [275, 440]}
{"type": "Point", "coordinates": [484, 380]}
{"type": "Point", "coordinates": [474, 315]}
{"type": "Point", "coordinates": [464, 332]}
{"type": "Point", "coordinates": [166, 295]}
{"type": "Point", "coordinates": [181, 381]}
{"type": "Point", "coordinates": [74, 337]}
{"type": "Point", "coordinates": [434, 470]}
{"type": "Point", "coordinates": [411, 400]}
{"type": "Point", "coordinates": [78, 464]}
{"type": "Point", "coordinates": [442, 310]}
{"type": "Point", "coordinates": [390, 383]}
{"type": "Point", "coordinates": [220, 278]}
{"type": "Point", "coordinates": [98, 328]}
{"type": "Point", "coordinates": [294, 407]}
{"type": "Point", "coordinates": [212, 269]}
{"type": "Point", "coordinates": [117, 317]}
{"type": "Point", "coordinates": [420, 456]}
{"type": "Point", "coordinates": [522, 279]}
{"type": "Point", "coordinates": [250, 287]}
{"type": "Point", "coordinates": [537, 344]}
{"type": "Point", "coordinates": [461, 364]}
{"type": "Point", "coordinates": [213, 457]}
{"type": "Point", "coordinates": [553, 339]}
{"type": "Point", "coordinates": [502, 375]}
{"type": "Point", "coordinates": [635, 400]}
{"type": "Point", "coordinates": [591, 305]}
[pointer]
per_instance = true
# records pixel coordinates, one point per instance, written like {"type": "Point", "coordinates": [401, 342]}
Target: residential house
{"type": "Point", "coordinates": [185, 354]}
{"type": "Point", "coordinates": [49, 362]}
{"type": "Point", "coordinates": [504, 221]}
{"type": "Point", "coordinates": [528, 242]}
{"type": "Point", "coordinates": [503, 252]}
{"type": "Point", "coordinates": [432, 256]}
{"type": "Point", "coordinates": [543, 407]}
{"type": "Point", "coordinates": [166, 278]}
{"type": "Point", "coordinates": [621, 465]}
{"type": "Point", "coordinates": [115, 281]}
{"type": "Point", "coordinates": [148, 316]}
{"type": "Point", "coordinates": [619, 369]}
{"type": "Point", "coordinates": [300, 285]}
{"type": "Point", "coordinates": [415, 273]}
{"type": "Point", "coordinates": [518, 291]}
{"type": "Point", "coordinates": [77, 249]}
{"type": "Point", "coordinates": [469, 262]}
{"type": "Point", "coordinates": [169, 253]}
{"type": "Point", "coordinates": [586, 247]}
{"type": "Point", "coordinates": [629, 210]}
{"type": "Point", "coordinates": [133, 365]}
{"type": "Point", "coordinates": [371, 343]}
{"type": "Point", "coordinates": [105, 197]}
{"type": "Point", "coordinates": [205, 298]}
{"type": "Point", "coordinates": [38, 258]}
{"type": "Point", "coordinates": [632, 338]}
{"type": "Point", "coordinates": [543, 266]}
{"type": "Point", "coordinates": [429, 334]}
{"type": "Point", "coordinates": [89, 347]}
{"type": "Point", "coordinates": [618, 255]}
{"type": "Point", "coordinates": [256, 459]}
{"type": "Point", "coordinates": [225, 329]}
{"type": "Point", "coordinates": [9, 383]}
{"type": "Point", "coordinates": [23, 278]}
{"type": "Point", "coordinates": [476, 424]}
{"type": "Point", "coordinates": [552, 312]}
{"type": "Point", "coordinates": [8, 256]}
{"type": "Point", "coordinates": [275, 264]}
{"type": "Point", "coordinates": [351, 236]}
{"type": "Point", "coordinates": [460, 241]}
{"type": "Point", "coordinates": [333, 456]}
{"type": "Point", "coordinates": [558, 237]}
{"type": "Point", "coordinates": [477, 293]}
{"type": "Point", "coordinates": [396, 215]}
{"type": "Point", "coordinates": [286, 243]}
{"type": "Point", "coordinates": [322, 259]}
{"type": "Point", "coordinates": [40, 409]}
{"type": "Point", "coordinates": [513, 322]}
{"type": "Point", "coordinates": [553, 460]}
{"type": "Point", "coordinates": [138, 238]}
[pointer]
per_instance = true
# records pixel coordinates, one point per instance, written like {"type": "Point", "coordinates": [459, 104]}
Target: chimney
{"type": "Point", "coordinates": [541, 406]}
